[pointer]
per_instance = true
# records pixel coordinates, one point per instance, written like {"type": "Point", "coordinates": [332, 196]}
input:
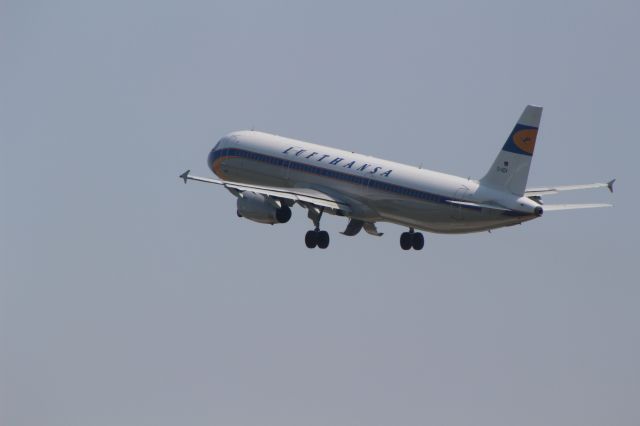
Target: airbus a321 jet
{"type": "Point", "coordinates": [269, 174]}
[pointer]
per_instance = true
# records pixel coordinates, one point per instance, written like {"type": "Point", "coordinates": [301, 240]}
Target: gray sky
{"type": "Point", "coordinates": [128, 298]}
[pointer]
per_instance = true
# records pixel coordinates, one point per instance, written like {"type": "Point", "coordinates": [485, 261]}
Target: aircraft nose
{"type": "Point", "coordinates": [538, 211]}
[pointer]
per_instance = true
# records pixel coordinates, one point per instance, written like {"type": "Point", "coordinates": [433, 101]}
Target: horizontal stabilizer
{"type": "Point", "coordinates": [558, 207]}
{"type": "Point", "coordinates": [533, 192]}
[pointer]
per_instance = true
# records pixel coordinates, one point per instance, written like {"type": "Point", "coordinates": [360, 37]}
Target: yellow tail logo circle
{"type": "Point", "coordinates": [525, 139]}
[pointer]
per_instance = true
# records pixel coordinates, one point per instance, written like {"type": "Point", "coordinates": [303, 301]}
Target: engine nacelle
{"type": "Point", "coordinates": [257, 208]}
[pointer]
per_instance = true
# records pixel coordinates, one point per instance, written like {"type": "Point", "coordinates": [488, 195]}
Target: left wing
{"type": "Point", "coordinates": [303, 195]}
{"type": "Point", "coordinates": [536, 192]}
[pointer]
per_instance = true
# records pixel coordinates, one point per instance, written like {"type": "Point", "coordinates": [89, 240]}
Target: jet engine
{"type": "Point", "coordinates": [258, 208]}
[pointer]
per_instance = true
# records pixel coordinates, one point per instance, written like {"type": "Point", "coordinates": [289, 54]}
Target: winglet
{"type": "Point", "coordinates": [610, 185]}
{"type": "Point", "coordinates": [185, 176]}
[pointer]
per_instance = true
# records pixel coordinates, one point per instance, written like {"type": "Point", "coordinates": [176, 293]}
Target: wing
{"type": "Point", "coordinates": [302, 195]}
{"type": "Point", "coordinates": [536, 192]}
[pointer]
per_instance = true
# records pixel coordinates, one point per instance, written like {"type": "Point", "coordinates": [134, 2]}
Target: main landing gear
{"type": "Point", "coordinates": [411, 239]}
{"type": "Point", "coordinates": [316, 237]}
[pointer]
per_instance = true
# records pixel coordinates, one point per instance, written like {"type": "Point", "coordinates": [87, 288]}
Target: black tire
{"type": "Point", "coordinates": [323, 239]}
{"type": "Point", "coordinates": [417, 241]}
{"type": "Point", "coordinates": [283, 214]}
{"type": "Point", "coordinates": [238, 213]}
{"type": "Point", "coordinates": [405, 241]}
{"type": "Point", "coordinates": [311, 239]}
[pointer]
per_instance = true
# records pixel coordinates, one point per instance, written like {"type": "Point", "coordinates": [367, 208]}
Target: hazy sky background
{"type": "Point", "coordinates": [129, 298]}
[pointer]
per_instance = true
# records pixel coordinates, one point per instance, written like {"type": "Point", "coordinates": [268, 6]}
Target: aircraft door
{"type": "Point", "coordinates": [234, 163]}
{"type": "Point", "coordinates": [286, 169]}
{"type": "Point", "coordinates": [366, 186]}
{"type": "Point", "coordinates": [457, 211]}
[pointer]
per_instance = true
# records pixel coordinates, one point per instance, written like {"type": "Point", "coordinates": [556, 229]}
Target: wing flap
{"type": "Point", "coordinates": [353, 227]}
{"type": "Point", "coordinates": [370, 228]}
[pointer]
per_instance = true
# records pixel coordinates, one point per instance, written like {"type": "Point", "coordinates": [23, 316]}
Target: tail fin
{"type": "Point", "coordinates": [510, 170]}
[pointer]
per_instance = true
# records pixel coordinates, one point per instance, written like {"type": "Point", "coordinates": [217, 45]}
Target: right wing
{"type": "Point", "coordinates": [536, 192]}
{"type": "Point", "coordinates": [303, 195]}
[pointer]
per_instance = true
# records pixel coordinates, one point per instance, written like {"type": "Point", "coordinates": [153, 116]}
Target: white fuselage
{"type": "Point", "coordinates": [377, 190]}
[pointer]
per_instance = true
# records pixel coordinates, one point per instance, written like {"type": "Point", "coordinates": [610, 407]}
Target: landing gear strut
{"type": "Point", "coordinates": [316, 237]}
{"type": "Point", "coordinates": [411, 239]}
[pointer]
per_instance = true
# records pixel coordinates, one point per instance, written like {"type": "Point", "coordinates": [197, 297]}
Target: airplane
{"type": "Point", "coordinates": [269, 174]}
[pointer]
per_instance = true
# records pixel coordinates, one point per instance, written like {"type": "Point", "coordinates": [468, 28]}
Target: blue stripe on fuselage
{"type": "Point", "coordinates": [320, 171]}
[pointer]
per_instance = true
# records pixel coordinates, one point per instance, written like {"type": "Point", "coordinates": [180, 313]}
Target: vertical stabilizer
{"type": "Point", "coordinates": [510, 169]}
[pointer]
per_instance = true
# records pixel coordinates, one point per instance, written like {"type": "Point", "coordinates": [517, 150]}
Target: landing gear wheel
{"type": "Point", "coordinates": [417, 241]}
{"type": "Point", "coordinates": [311, 239]}
{"type": "Point", "coordinates": [406, 241]}
{"type": "Point", "coordinates": [323, 239]}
